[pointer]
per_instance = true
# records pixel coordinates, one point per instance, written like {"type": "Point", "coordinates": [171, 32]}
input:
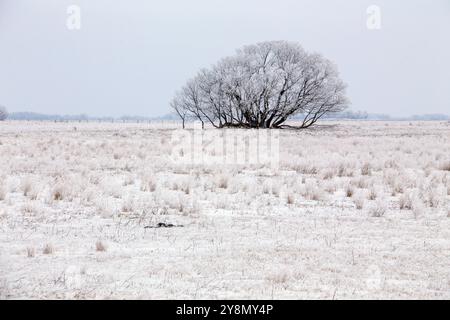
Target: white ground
{"type": "Point", "coordinates": [354, 210]}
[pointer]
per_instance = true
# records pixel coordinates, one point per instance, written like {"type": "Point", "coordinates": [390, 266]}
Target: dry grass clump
{"type": "Point", "coordinates": [148, 183]}
{"type": "Point", "coordinates": [349, 191]}
{"type": "Point", "coordinates": [58, 192]}
{"type": "Point", "coordinates": [266, 187]}
{"type": "Point", "coordinates": [128, 205]}
{"type": "Point", "coordinates": [379, 208]}
{"type": "Point", "coordinates": [100, 246]}
{"type": "Point", "coordinates": [26, 186]}
{"type": "Point", "coordinates": [3, 193]}
{"type": "Point", "coordinates": [290, 199]}
{"type": "Point", "coordinates": [344, 171]}
{"type": "Point", "coordinates": [330, 187]}
{"type": "Point", "coordinates": [311, 191]}
{"type": "Point", "coordinates": [276, 188]}
{"type": "Point", "coordinates": [29, 208]}
{"type": "Point", "coordinates": [31, 252]}
{"type": "Point", "coordinates": [305, 168]}
{"type": "Point", "coordinates": [359, 201]}
{"type": "Point", "coordinates": [48, 249]}
{"type": "Point", "coordinates": [405, 201]}
{"type": "Point", "coordinates": [417, 207]}
{"type": "Point", "coordinates": [444, 166]}
{"type": "Point", "coordinates": [128, 180]}
{"type": "Point", "coordinates": [397, 188]}
{"type": "Point", "coordinates": [222, 182]}
{"type": "Point", "coordinates": [328, 174]}
{"type": "Point", "coordinates": [183, 185]}
{"type": "Point", "coordinates": [433, 197]}
{"type": "Point", "coordinates": [373, 194]}
{"type": "Point", "coordinates": [360, 183]}
{"type": "Point", "coordinates": [366, 169]}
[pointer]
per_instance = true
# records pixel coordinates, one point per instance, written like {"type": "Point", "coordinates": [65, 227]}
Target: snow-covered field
{"type": "Point", "coordinates": [353, 210]}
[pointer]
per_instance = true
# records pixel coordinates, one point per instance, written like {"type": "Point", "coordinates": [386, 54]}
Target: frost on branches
{"type": "Point", "coordinates": [263, 86]}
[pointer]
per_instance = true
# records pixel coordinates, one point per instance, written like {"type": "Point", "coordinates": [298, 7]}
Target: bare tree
{"type": "Point", "coordinates": [263, 86]}
{"type": "Point", "coordinates": [182, 112]}
{"type": "Point", "coordinates": [3, 113]}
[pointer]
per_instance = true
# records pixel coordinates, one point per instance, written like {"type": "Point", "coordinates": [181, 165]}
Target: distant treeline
{"type": "Point", "coordinates": [362, 115]}
{"type": "Point", "coordinates": [345, 115]}
{"type": "Point", "coordinates": [32, 116]}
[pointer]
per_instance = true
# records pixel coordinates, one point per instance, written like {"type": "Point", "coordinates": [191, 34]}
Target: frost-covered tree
{"type": "Point", "coordinates": [3, 113]}
{"type": "Point", "coordinates": [263, 86]}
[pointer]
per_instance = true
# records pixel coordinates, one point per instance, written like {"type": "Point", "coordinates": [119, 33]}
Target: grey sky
{"type": "Point", "coordinates": [131, 56]}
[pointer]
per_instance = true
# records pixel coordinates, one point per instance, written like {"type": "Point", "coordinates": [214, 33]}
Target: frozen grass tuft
{"type": "Point", "coordinates": [373, 194]}
{"type": "Point", "coordinates": [312, 192]}
{"type": "Point", "coordinates": [48, 249]}
{"type": "Point", "coordinates": [379, 208]}
{"type": "Point", "coordinates": [445, 166]}
{"type": "Point", "coordinates": [405, 201]}
{"type": "Point", "coordinates": [100, 246]}
{"type": "Point", "coordinates": [222, 182]}
{"type": "Point", "coordinates": [366, 169]}
{"type": "Point", "coordinates": [359, 201]}
{"type": "Point", "coordinates": [290, 199]}
{"type": "Point", "coordinates": [349, 191]}
{"type": "Point", "coordinates": [2, 193]}
{"type": "Point", "coordinates": [31, 252]}
{"type": "Point", "coordinates": [148, 183]}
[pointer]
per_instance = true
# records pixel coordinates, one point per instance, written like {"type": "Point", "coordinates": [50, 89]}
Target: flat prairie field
{"type": "Point", "coordinates": [349, 210]}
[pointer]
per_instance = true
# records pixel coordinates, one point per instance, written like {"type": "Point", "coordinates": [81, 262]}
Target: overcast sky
{"type": "Point", "coordinates": [129, 57]}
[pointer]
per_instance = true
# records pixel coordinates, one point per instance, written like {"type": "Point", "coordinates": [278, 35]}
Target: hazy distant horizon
{"type": "Point", "coordinates": [130, 58]}
{"type": "Point", "coordinates": [171, 113]}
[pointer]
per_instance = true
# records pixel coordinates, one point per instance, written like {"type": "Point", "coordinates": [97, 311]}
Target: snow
{"type": "Point", "coordinates": [238, 236]}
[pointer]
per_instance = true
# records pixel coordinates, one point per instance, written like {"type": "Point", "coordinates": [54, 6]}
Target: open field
{"type": "Point", "coordinates": [353, 210]}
